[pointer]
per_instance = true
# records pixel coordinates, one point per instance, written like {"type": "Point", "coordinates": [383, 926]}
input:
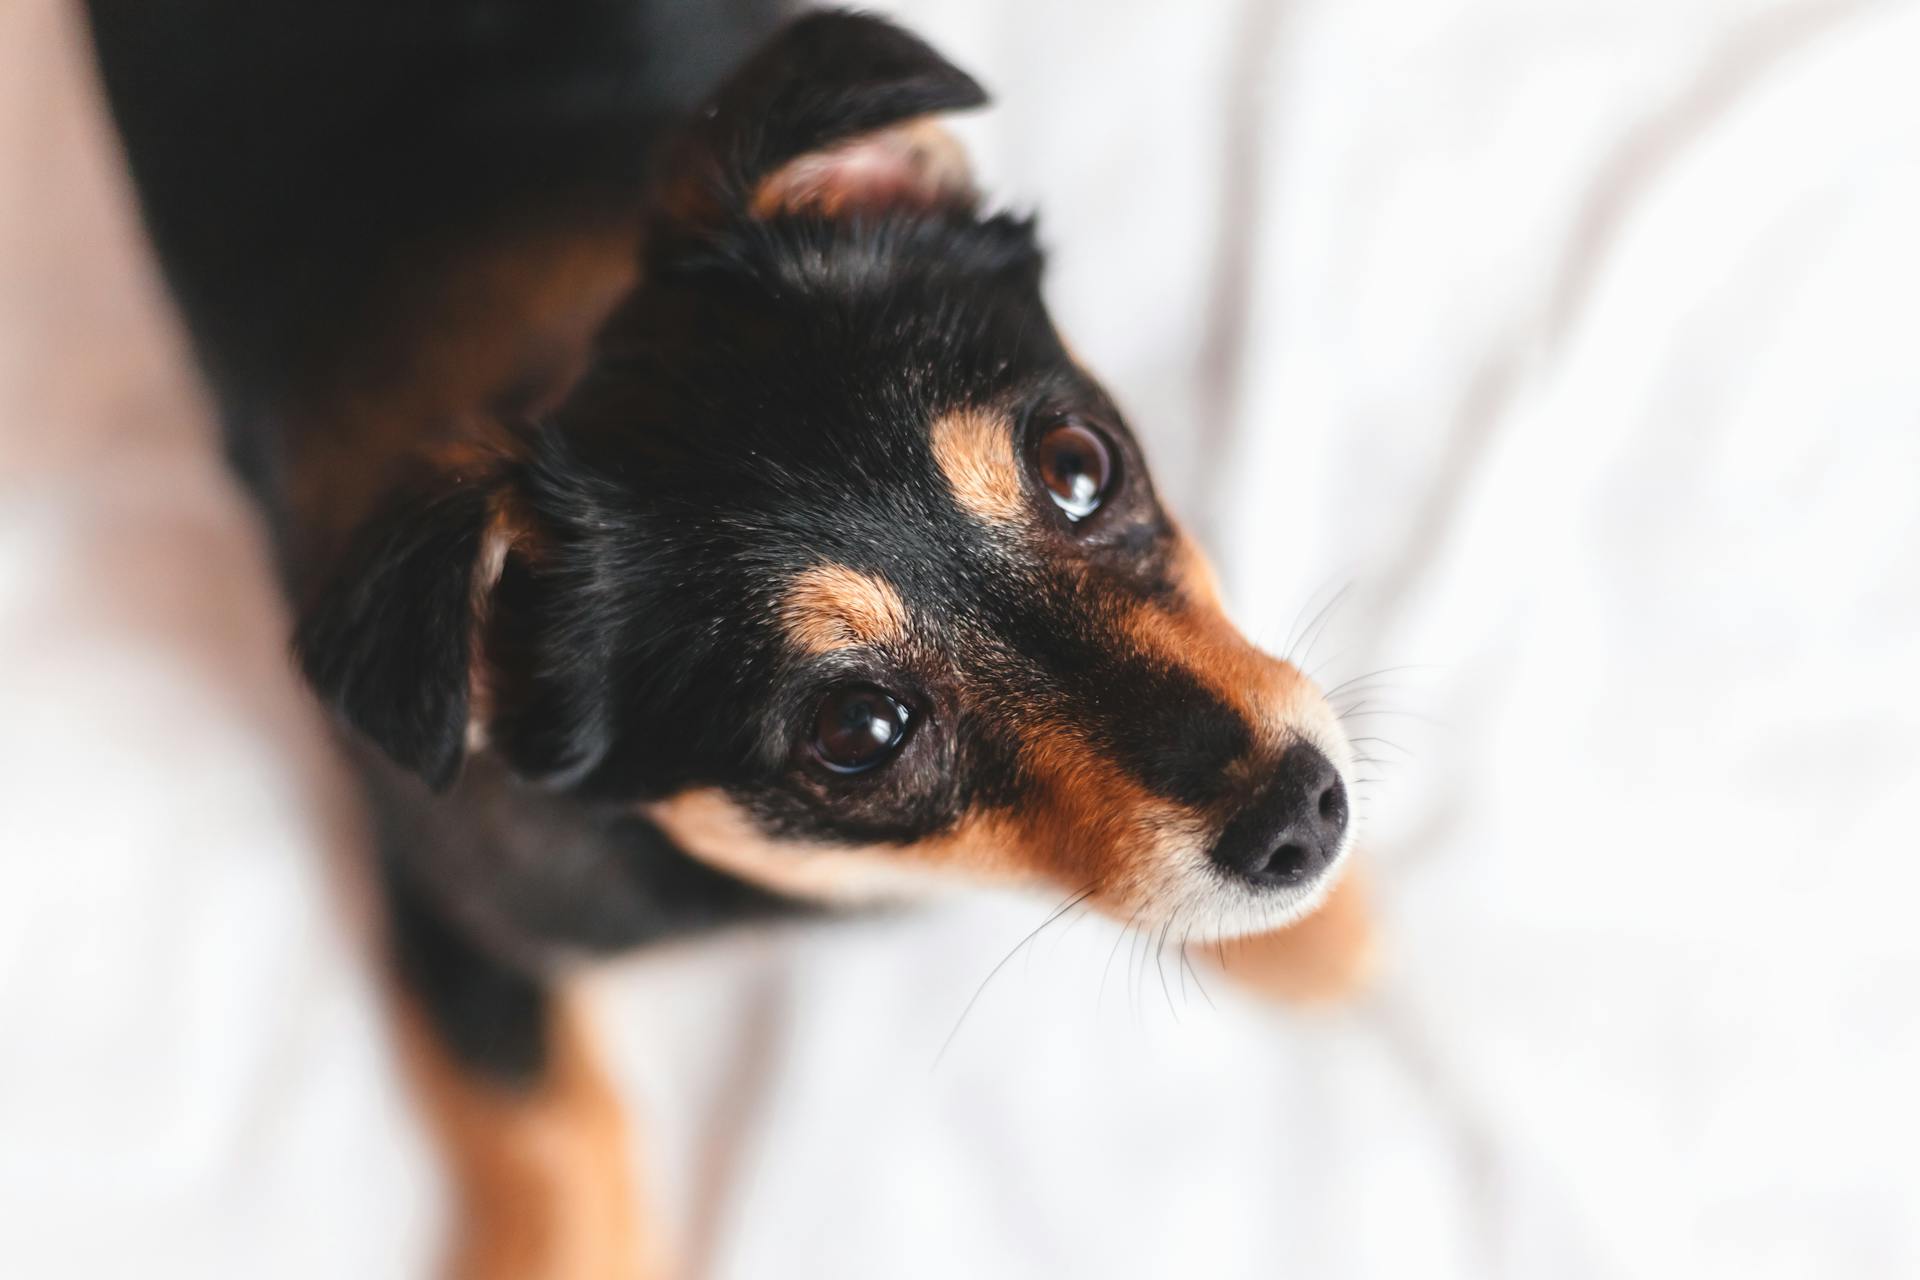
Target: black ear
{"type": "Point", "coordinates": [822, 82]}
{"type": "Point", "coordinates": [388, 640]}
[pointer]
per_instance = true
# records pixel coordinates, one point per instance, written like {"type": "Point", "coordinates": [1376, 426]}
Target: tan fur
{"type": "Point", "coordinates": [831, 607]}
{"type": "Point", "coordinates": [1271, 694]}
{"type": "Point", "coordinates": [1328, 956]}
{"type": "Point", "coordinates": [1194, 572]}
{"type": "Point", "coordinates": [541, 1181]}
{"type": "Point", "coordinates": [975, 451]}
{"type": "Point", "coordinates": [509, 531]}
{"type": "Point", "coordinates": [1196, 634]}
{"type": "Point", "coordinates": [1088, 826]}
{"type": "Point", "coordinates": [712, 827]}
{"type": "Point", "coordinates": [1092, 824]}
{"type": "Point", "coordinates": [917, 162]}
{"type": "Point", "coordinates": [1088, 823]}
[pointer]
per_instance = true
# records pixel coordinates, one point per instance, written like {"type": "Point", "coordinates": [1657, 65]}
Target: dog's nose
{"type": "Point", "coordinates": [1292, 832]}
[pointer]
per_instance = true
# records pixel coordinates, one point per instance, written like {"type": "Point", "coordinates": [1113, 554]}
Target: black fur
{"type": "Point", "coordinates": [492, 1015]}
{"type": "Point", "coordinates": [535, 872]}
{"type": "Point", "coordinates": [829, 77]}
{"type": "Point", "coordinates": [295, 156]}
{"type": "Point", "coordinates": [389, 645]}
{"type": "Point", "coordinates": [763, 407]}
{"type": "Point", "coordinates": [760, 405]}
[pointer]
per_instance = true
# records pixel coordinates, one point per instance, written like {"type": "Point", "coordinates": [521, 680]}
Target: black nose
{"type": "Point", "coordinates": [1292, 830]}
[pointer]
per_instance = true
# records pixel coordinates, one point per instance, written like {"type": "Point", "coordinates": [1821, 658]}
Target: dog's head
{"type": "Point", "coordinates": [836, 562]}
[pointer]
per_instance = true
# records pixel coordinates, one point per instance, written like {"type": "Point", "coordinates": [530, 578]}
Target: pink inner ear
{"type": "Point", "coordinates": [915, 164]}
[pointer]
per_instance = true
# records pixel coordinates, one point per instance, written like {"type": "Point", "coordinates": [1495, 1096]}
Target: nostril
{"type": "Point", "coordinates": [1289, 863]}
{"type": "Point", "coordinates": [1333, 805]}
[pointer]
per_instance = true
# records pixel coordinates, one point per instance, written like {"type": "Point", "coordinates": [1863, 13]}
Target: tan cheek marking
{"type": "Point", "coordinates": [540, 1175]}
{"type": "Point", "coordinates": [831, 607]}
{"type": "Point", "coordinates": [714, 828]}
{"type": "Point", "coordinates": [1090, 827]}
{"type": "Point", "coordinates": [975, 453]}
{"type": "Point", "coordinates": [1093, 825]}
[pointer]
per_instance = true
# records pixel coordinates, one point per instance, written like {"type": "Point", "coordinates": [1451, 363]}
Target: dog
{"type": "Point", "coordinates": [692, 516]}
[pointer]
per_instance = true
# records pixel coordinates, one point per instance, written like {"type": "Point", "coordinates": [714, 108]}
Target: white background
{"type": "Point", "coordinates": [1582, 339]}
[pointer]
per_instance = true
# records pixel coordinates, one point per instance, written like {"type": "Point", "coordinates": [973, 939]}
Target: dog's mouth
{"type": "Point", "coordinates": [1273, 864]}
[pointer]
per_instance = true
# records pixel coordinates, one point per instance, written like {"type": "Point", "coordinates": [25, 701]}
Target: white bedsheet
{"type": "Point", "coordinates": [1581, 339]}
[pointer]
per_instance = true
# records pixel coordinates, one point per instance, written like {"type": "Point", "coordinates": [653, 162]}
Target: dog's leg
{"type": "Point", "coordinates": [1327, 956]}
{"type": "Point", "coordinates": [528, 1123]}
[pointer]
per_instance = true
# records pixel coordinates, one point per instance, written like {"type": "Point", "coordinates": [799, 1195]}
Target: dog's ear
{"type": "Point", "coordinates": [833, 115]}
{"type": "Point", "coordinates": [389, 640]}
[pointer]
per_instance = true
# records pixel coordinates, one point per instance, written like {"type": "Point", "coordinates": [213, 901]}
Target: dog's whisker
{"type": "Point", "coordinates": [1363, 694]}
{"type": "Point", "coordinates": [1159, 953]}
{"type": "Point", "coordinates": [1181, 971]}
{"type": "Point", "coordinates": [1374, 712]}
{"type": "Point", "coordinates": [1199, 986]}
{"type": "Point", "coordinates": [1293, 628]}
{"type": "Point", "coordinates": [1145, 947]}
{"type": "Point", "coordinates": [1355, 692]}
{"type": "Point", "coordinates": [1327, 663]}
{"type": "Point", "coordinates": [1126, 931]}
{"type": "Point", "coordinates": [1080, 912]}
{"type": "Point", "coordinates": [1072, 900]}
{"type": "Point", "coordinates": [1137, 970]}
{"type": "Point", "coordinates": [1311, 635]}
{"type": "Point", "coordinates": [1376, 674]}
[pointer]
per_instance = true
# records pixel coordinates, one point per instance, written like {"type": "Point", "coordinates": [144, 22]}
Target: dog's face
{"type": "Point", "coordinates": [841, 568]}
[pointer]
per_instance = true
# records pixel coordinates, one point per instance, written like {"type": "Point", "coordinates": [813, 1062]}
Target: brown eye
{"type": "Point", "coordinates": [1076, 465]}
{"type": "Point", "coordinates": [858, 727]}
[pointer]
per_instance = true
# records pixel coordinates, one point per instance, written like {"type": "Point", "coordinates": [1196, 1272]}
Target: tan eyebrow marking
{"type": "Point", "coordinates": [831, 607]}
{"type": "Point", "coordinates": [975, 452]}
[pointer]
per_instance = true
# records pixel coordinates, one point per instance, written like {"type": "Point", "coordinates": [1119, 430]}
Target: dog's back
{"type": "Point", "coordinates": [332, 187]}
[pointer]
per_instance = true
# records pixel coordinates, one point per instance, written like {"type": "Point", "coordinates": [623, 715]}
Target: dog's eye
{"type": "Point", "coordinates": [858, 727]}
{"type": "Point", "coordinates": [1076, 464]}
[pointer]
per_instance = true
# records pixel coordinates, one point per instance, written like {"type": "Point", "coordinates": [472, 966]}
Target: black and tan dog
{"type": "Point", "coordinates": [691, 513]}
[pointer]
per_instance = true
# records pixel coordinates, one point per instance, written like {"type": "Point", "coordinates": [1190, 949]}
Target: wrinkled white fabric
{"type": "Point", "coordinates": [1581, 339]}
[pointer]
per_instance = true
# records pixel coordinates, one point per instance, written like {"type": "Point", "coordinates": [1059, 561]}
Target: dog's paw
{"type": "Point", "coordinates": [1328, 957]}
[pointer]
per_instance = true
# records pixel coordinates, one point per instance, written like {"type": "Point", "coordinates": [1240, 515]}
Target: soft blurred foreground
{"type": "Point", "coordinates": [1574, 347]}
